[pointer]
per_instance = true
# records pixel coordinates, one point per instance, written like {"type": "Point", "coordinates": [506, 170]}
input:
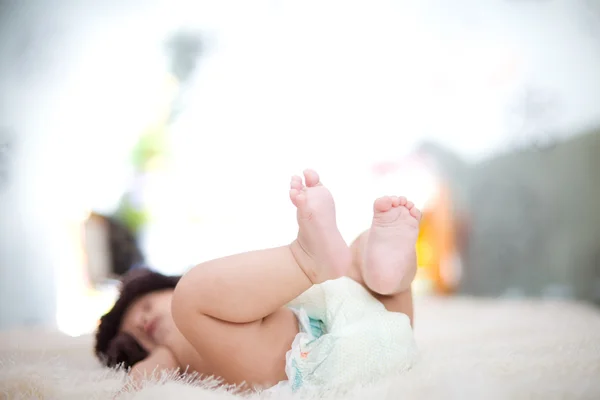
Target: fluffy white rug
{"type": "Point", "coordinates": [471, 349]}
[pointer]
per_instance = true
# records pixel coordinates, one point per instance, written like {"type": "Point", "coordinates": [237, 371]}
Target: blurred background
{"type": "Point", "coordinates": [164, 133]}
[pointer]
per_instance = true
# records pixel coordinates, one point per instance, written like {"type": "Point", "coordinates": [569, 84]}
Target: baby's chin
{"type": "Point", "coordinates": [164, 335]}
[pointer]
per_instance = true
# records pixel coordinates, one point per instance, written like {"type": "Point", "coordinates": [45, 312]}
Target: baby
{"type": "Point", "coordinates": [230, 318]}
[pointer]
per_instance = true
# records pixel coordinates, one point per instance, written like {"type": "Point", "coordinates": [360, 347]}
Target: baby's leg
{"type": "Point", "coordinates": [384, 257]}
{"type": "Point", "coordinates": [230, 309]}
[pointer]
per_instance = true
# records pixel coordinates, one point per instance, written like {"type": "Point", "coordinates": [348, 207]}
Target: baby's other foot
{"type": "Point", "coordinates": [390, 261]}
{"type": "Point", "coordinates": [319, 249]}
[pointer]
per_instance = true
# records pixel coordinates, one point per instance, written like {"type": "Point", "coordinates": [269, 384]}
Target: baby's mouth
{"type": "Point", "coordinates": [151, 327]}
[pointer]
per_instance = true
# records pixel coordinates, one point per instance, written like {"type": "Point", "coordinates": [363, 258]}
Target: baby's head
{"type": "Point", "coordinates": [139, 321]}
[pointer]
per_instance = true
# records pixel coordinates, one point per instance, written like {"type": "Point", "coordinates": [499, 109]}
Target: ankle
{"type": "Point", "coordinates": [304, 260]}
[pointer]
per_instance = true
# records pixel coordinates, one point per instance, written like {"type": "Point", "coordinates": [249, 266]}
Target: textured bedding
{"type": "Point", "coordinates": [470, 349]}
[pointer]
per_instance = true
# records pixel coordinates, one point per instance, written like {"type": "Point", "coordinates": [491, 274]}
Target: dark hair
{"type": "Point", "coordinates": [115, 348]}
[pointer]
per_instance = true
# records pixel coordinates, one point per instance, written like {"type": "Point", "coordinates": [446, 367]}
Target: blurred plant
{"type": "Point", "coordinates": [147, 156]}
{"type": "Point", "coordinates": [133, 215]}
{"type": "Point", "coordinates": [184, 50]}
{"type": "Point", "coordinates": [151, 150]}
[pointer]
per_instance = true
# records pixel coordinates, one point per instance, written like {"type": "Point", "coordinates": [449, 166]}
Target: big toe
{"type": "Point", "coordinates": [311, 177]}
{"type": "Point", "coordinates": [383, 204]}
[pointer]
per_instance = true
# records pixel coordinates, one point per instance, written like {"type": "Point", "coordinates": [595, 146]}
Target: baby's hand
{"type": "Point", "coordinates": [152, 367]}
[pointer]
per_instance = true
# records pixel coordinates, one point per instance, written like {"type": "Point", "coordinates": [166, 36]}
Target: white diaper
{"type": "Point", "coordinates": [346, 337]}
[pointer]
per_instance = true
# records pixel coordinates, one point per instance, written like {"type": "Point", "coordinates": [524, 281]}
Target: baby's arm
{"type": "Point", "coordinates": [161, 359]}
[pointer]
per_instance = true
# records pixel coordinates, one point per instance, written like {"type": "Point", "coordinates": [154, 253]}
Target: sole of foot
{"type": "Point", "coordinates": [390, 261]}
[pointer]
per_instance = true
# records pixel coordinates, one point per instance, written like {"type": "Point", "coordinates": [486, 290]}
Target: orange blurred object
{"type": "Point", "coordinates": [439, 271]}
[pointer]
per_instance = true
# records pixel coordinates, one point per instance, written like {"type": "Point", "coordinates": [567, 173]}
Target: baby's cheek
{"type": "Point", "coordinates": [166, 335]}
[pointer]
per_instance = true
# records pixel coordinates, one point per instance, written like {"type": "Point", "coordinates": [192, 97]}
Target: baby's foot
{"type": "Point", "coordinates": [390, 260]}
{"type": "Point", "coordinates": [319, 249]}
